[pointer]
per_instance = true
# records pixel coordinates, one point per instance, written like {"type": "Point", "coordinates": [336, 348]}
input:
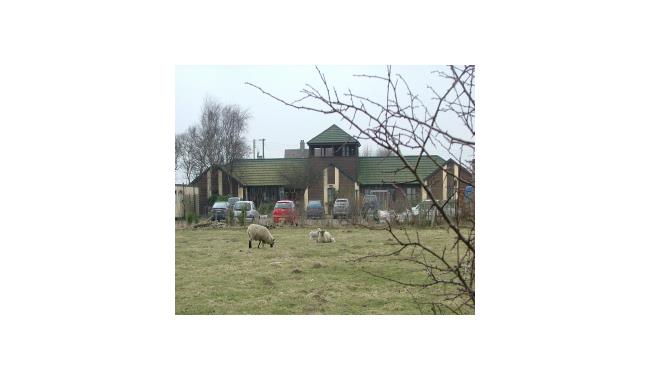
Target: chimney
{"type": "Point", "coordinates": [302, 144]}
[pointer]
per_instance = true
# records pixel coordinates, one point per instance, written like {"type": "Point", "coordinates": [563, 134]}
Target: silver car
{"type": "Point", "coordinates": [249, 208]}
{"type": "Point", "coordinates": [341, 208]}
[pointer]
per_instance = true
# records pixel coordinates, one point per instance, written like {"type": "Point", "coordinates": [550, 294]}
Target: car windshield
{"type": "Point", "coordinates": [220, 205]}
{"type": "Point", "coordinates": [314, 204]}
{"type": "Point", "coordinates": [341, 201]}
{"type": "Point", "coordinates": [242, 206]}
{"type": "Point", "coordinates": [283, 205]}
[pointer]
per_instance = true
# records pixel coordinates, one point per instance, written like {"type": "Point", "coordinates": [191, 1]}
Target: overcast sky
{"type": "Point", "coordinates": [283, 127]}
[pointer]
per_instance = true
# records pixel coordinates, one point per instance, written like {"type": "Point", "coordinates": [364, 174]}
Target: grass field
{"type": "Point", "coordinates": [216, 274]}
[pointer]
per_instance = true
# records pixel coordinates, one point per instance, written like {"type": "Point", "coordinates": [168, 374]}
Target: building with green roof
{"type": "Point", "coordinates": [332, 169]}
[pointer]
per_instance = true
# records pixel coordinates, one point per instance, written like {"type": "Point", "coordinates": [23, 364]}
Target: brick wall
{"type": "Point", "coordinates": [434, 183]}
{"type": "Point", "coordinates": [202, 183]}
{"type": "Point", "coordinates": [345, 164]}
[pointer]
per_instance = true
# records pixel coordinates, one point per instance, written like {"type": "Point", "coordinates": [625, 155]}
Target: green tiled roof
{"type": "Point", "coordinates": [266, 172]}
{"type": "Point", "coordinates": [379, 170]}
{"type": "Point", "coordinates": [333, 135]}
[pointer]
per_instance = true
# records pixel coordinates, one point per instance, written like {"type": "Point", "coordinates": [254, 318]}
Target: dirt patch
{"type": "Point", "coordinates": [267, 281]}
{"type": "Point", "coordinates": [296, 271]}
{"type": "Point", "coordinates": [317, 265]}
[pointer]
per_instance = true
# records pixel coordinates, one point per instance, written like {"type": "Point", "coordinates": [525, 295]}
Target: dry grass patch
{"type": "Point", "coordinates": [216, 273]}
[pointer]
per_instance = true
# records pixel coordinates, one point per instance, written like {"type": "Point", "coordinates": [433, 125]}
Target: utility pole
{"type": "Point", "coordinates": [263, 147]}
{"type": "Point", "coordinates": [254, 156]}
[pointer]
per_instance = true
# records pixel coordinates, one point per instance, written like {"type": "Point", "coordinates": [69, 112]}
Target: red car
{"type": "Point", "coordinates": [285, 211]}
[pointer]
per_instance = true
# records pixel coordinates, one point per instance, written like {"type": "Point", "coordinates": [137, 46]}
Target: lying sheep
{"type": "Point", "coordinates": [324, 237]}
{"type": "Point", "coordinates": [261, 234]}
{"type": "Point", "coordinates": [313, 235]}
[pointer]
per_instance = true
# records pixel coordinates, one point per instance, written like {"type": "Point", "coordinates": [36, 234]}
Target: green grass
{"type": "Point", "coordinates": [217, 274]}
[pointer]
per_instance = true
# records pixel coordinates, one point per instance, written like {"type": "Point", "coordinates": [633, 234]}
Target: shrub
{"type": "Point", "coordinates": [191, 218]}
{"type": "Point", "coordinates": [266, 208]}
{"type": "Point", "coordinates": [242, 217]}
{"type": "Point", "coordinates": [230, 216]}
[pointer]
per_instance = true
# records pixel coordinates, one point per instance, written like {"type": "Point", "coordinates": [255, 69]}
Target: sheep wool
{"type": "Point", "coordinates": [325, 237]}
{"type": "Point", "coordinates": [259, 233]}
{"type": "Point", "coordinates": [313, 235]}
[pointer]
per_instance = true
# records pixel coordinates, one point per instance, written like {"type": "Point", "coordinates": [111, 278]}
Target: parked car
{"type": "Point", "coordinates": [232, 201]}
{"type": "Point", "coordinates": [370, 206]}
{"type": "Point", "coordinates": [341, 208]}
{"type": "Point", "coordinates": [249, 208]}
{"type": "Point", "coordinates": [219, 211]}
{"type": "Point", "coordinates": [285, 211]}
{"type": "Point", "coordinates": [315, 210]}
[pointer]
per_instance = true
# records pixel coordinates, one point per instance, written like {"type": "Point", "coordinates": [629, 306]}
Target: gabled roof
{"type": "Point", "coordinates": [385, 170]}
{"type": "Point", "coordinates": [333, 135]}
{"type": "Point", "coordinates": [265, 172]}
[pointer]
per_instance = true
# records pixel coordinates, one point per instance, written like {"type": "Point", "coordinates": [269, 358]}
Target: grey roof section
{"type": "Point", "coordinates": [296, 153]}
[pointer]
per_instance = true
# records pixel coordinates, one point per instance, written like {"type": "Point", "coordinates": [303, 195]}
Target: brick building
{"type": "Point", "coordinates": [331, 168]}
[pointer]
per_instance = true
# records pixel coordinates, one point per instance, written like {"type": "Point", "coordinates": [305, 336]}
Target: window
{"type": "Point", "coordinates": [330, 194]}
{"type": "Point", "coordinates": [348, 150]}
{"type": "Point", "coordinates": [412, 195]}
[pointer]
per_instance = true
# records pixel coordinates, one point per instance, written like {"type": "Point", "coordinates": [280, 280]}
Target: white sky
{"type": "Point", "coordinates": [283, 127]}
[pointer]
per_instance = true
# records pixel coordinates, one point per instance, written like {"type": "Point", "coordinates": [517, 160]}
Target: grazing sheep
{"type": "Point", "coordinates": [261, 234]}
{"type": "Point", "coordinates": [313, 235]}
{"type": "Point", "coordinates": [324, 237]}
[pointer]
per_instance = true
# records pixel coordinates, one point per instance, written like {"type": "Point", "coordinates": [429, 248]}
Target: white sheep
{"type": "Point", "coordinates": [313, 235]}
{"type": "Point", "coordinates": [261, 234]}
{"type": "Point", "coordinates": [324, 237]}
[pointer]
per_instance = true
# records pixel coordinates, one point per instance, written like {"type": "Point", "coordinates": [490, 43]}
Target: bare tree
{"type": "Point", "coordinates": [234, 122]}
{"type": "Point", "coordinates": [384, 152]}
{"type": "Point", "coordinates": [218, 138]}
{"type": "Point", "coordinates": [366, 151]}
{"type": "Point", "coordinates": [178, 150]}
{"type": "Point", "coordinates": [210, 134]}
{"type": "Point", "coordinates": [187, 153]}
{"type": "Point", "coordinates": [404, 121]}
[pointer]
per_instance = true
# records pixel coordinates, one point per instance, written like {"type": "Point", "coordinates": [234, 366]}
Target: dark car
{"type": "Point", "coordinates": [341, 208]}
{"type": "Point", "coordinates": [219, 210]}
{"type": "Point", "coordinates": [315, 210]}
{"type": "Point", "coordinates": [285, 211]}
